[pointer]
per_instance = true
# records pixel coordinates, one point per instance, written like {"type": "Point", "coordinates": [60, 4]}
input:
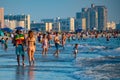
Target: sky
{"type": "Point", "coordinates": [44, 9]}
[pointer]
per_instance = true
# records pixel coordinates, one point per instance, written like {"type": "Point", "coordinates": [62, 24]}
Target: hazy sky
{"type": "Point", "coordinates": [40, 9]}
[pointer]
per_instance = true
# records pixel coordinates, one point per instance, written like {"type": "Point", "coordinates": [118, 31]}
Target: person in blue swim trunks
{"type": "Point", "coordinates": [57, 44]}
{"type": "Point", "coordinates": [19, 41]}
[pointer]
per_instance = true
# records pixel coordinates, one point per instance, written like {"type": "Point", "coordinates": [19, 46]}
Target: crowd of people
{"type": "Point", "coordinates": [27, 42]}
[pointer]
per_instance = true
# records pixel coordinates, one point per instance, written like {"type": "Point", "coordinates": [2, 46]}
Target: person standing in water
{"type": "Point", "coordinates": [75, 50]}
{"type": "Point", "coordinates": [19, 43]}
{"type": "Point", "coordinates": [31, 47]}
{"type": "Point", "coordinates": [49, 39]}
{"type": "Point", "coordinates": [63, 40]}
{"type": "Point", "coordinates": [57, 43]}
{"type": "Point", "coordinates": [44, 45]}
{"type": "Point", "coordinates": [6, 44]}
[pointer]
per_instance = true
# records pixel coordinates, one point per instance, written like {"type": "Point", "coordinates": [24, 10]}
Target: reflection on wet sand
{"type": "Point", "coordinates": [24, 73]}
{"type": "Point", "coordinates": [31, 72]}
{"type": "Point", "coordinates": [20, 73]}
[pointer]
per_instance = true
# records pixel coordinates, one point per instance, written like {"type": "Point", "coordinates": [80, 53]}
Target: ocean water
{"type": "Point", "coordinates": [97, 59]}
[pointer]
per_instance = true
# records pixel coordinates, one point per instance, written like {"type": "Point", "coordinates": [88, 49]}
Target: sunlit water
{"type": "Point", "coordinates": [97, 59]}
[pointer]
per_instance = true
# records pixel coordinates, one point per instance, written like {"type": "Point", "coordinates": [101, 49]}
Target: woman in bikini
{"type": "Point", "coordinates": [31, 46]}
{"type": "Point", "coordinates": [44, 45]}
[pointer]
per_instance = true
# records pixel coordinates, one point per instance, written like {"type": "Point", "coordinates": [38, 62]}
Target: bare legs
{"type": "Point", "coordinates": [31, 57]}
{"type": "Point", "coordinates": [18, 60]}
{"type": "Point", "coordinates": [56, 53]}
{"type": "Point", "coordinates": [23, 58]}
{"type": "Point", "coordinates": [57, 50]}
{"type": "Point", "coordinates": [44, 51]}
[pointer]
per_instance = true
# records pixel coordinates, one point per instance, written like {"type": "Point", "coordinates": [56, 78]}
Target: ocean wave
{"type": "Point", "coordinates": [117, 49]}
{"type": "Point", "coordinates": [89, 75]}
{"type": "Point", "coordinates": [100, 72]}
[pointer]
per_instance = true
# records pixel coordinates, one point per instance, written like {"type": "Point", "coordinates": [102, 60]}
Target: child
{"type": "Point", "coordinates": [75, 50]}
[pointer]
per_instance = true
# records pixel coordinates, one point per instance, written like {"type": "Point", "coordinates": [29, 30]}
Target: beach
{"type": "Point", "coordinates": [97, 59]}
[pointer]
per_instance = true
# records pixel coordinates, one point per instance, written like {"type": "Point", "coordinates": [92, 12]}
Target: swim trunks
{"type": "Point", "coordinates": [20, 50]}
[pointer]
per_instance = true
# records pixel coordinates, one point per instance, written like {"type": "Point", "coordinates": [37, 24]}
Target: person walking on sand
{"type": "Point", "coordinates": [31, 47]}
{"type": "Point", "coordinates": [57, 43]}
{"type": "Point", "coordinates": [44, 45]}
{"type": "Point", "coordinates": [19, 43]}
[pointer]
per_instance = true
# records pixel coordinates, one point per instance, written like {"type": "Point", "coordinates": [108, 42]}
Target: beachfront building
{"type": "Point", "coordinates": [56, 27]}
{"type": "Point", "coordinates": [67, 25]}
{"type": "Point", "coordinates": [87, 19]}
{"type": "Point", "coordinates": [47, 20]}
{"type": "Point", "coordinates": [59, 25]}
{"type": "Point", "coordinates": [18, 20]}
{"type": "Point", "coordinates": [1, 17]}
{"type": "Point", "coordinates": [94, 17]}
{"type": "Point", "coordinates": [42, 26]}
{"type": "Point", "coordinates": [83, 22]}
{"type": "Point", "coordinates": [118, 26]}
{"type": "Point", "coordinates": [111, 25]}
{"type": "Point", "coordinates": [55, 24]}
{"type": "Point", "coordinates": [48, 27]}
{"type": "Point", "coordinates": [10, 23]}
{"type": "Point", "coordinates": [102, 17]}
{"type": "Point", "coordinates": [78, 21]}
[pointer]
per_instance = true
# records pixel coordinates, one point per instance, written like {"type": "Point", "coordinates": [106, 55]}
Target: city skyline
{"type": "Point", "coordinates": [41, 9]}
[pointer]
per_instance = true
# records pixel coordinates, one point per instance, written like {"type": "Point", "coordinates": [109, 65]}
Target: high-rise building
{"type": "Point", "coordinates": [1, 17]}
{"type": "Point", "coordinates": [83, 23]}
{"type": "Point", "coordinates": [67, 24]}
{"type": "Point", "coordinates": [94, 17]}
{"type": "Point", "coordinates": [42, 26]}
{"type": "Point", "coordinates": [21, 20]}
{"type": "Point", "coordinates": [102, 17]}
{"type": "Point", "coordinates": [78, 23]}
{"type": "Point", "coordinates": [118, 26]}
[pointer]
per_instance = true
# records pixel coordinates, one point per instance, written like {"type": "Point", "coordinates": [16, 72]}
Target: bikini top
{"type": "Point", "coordinates": [31, 41]}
